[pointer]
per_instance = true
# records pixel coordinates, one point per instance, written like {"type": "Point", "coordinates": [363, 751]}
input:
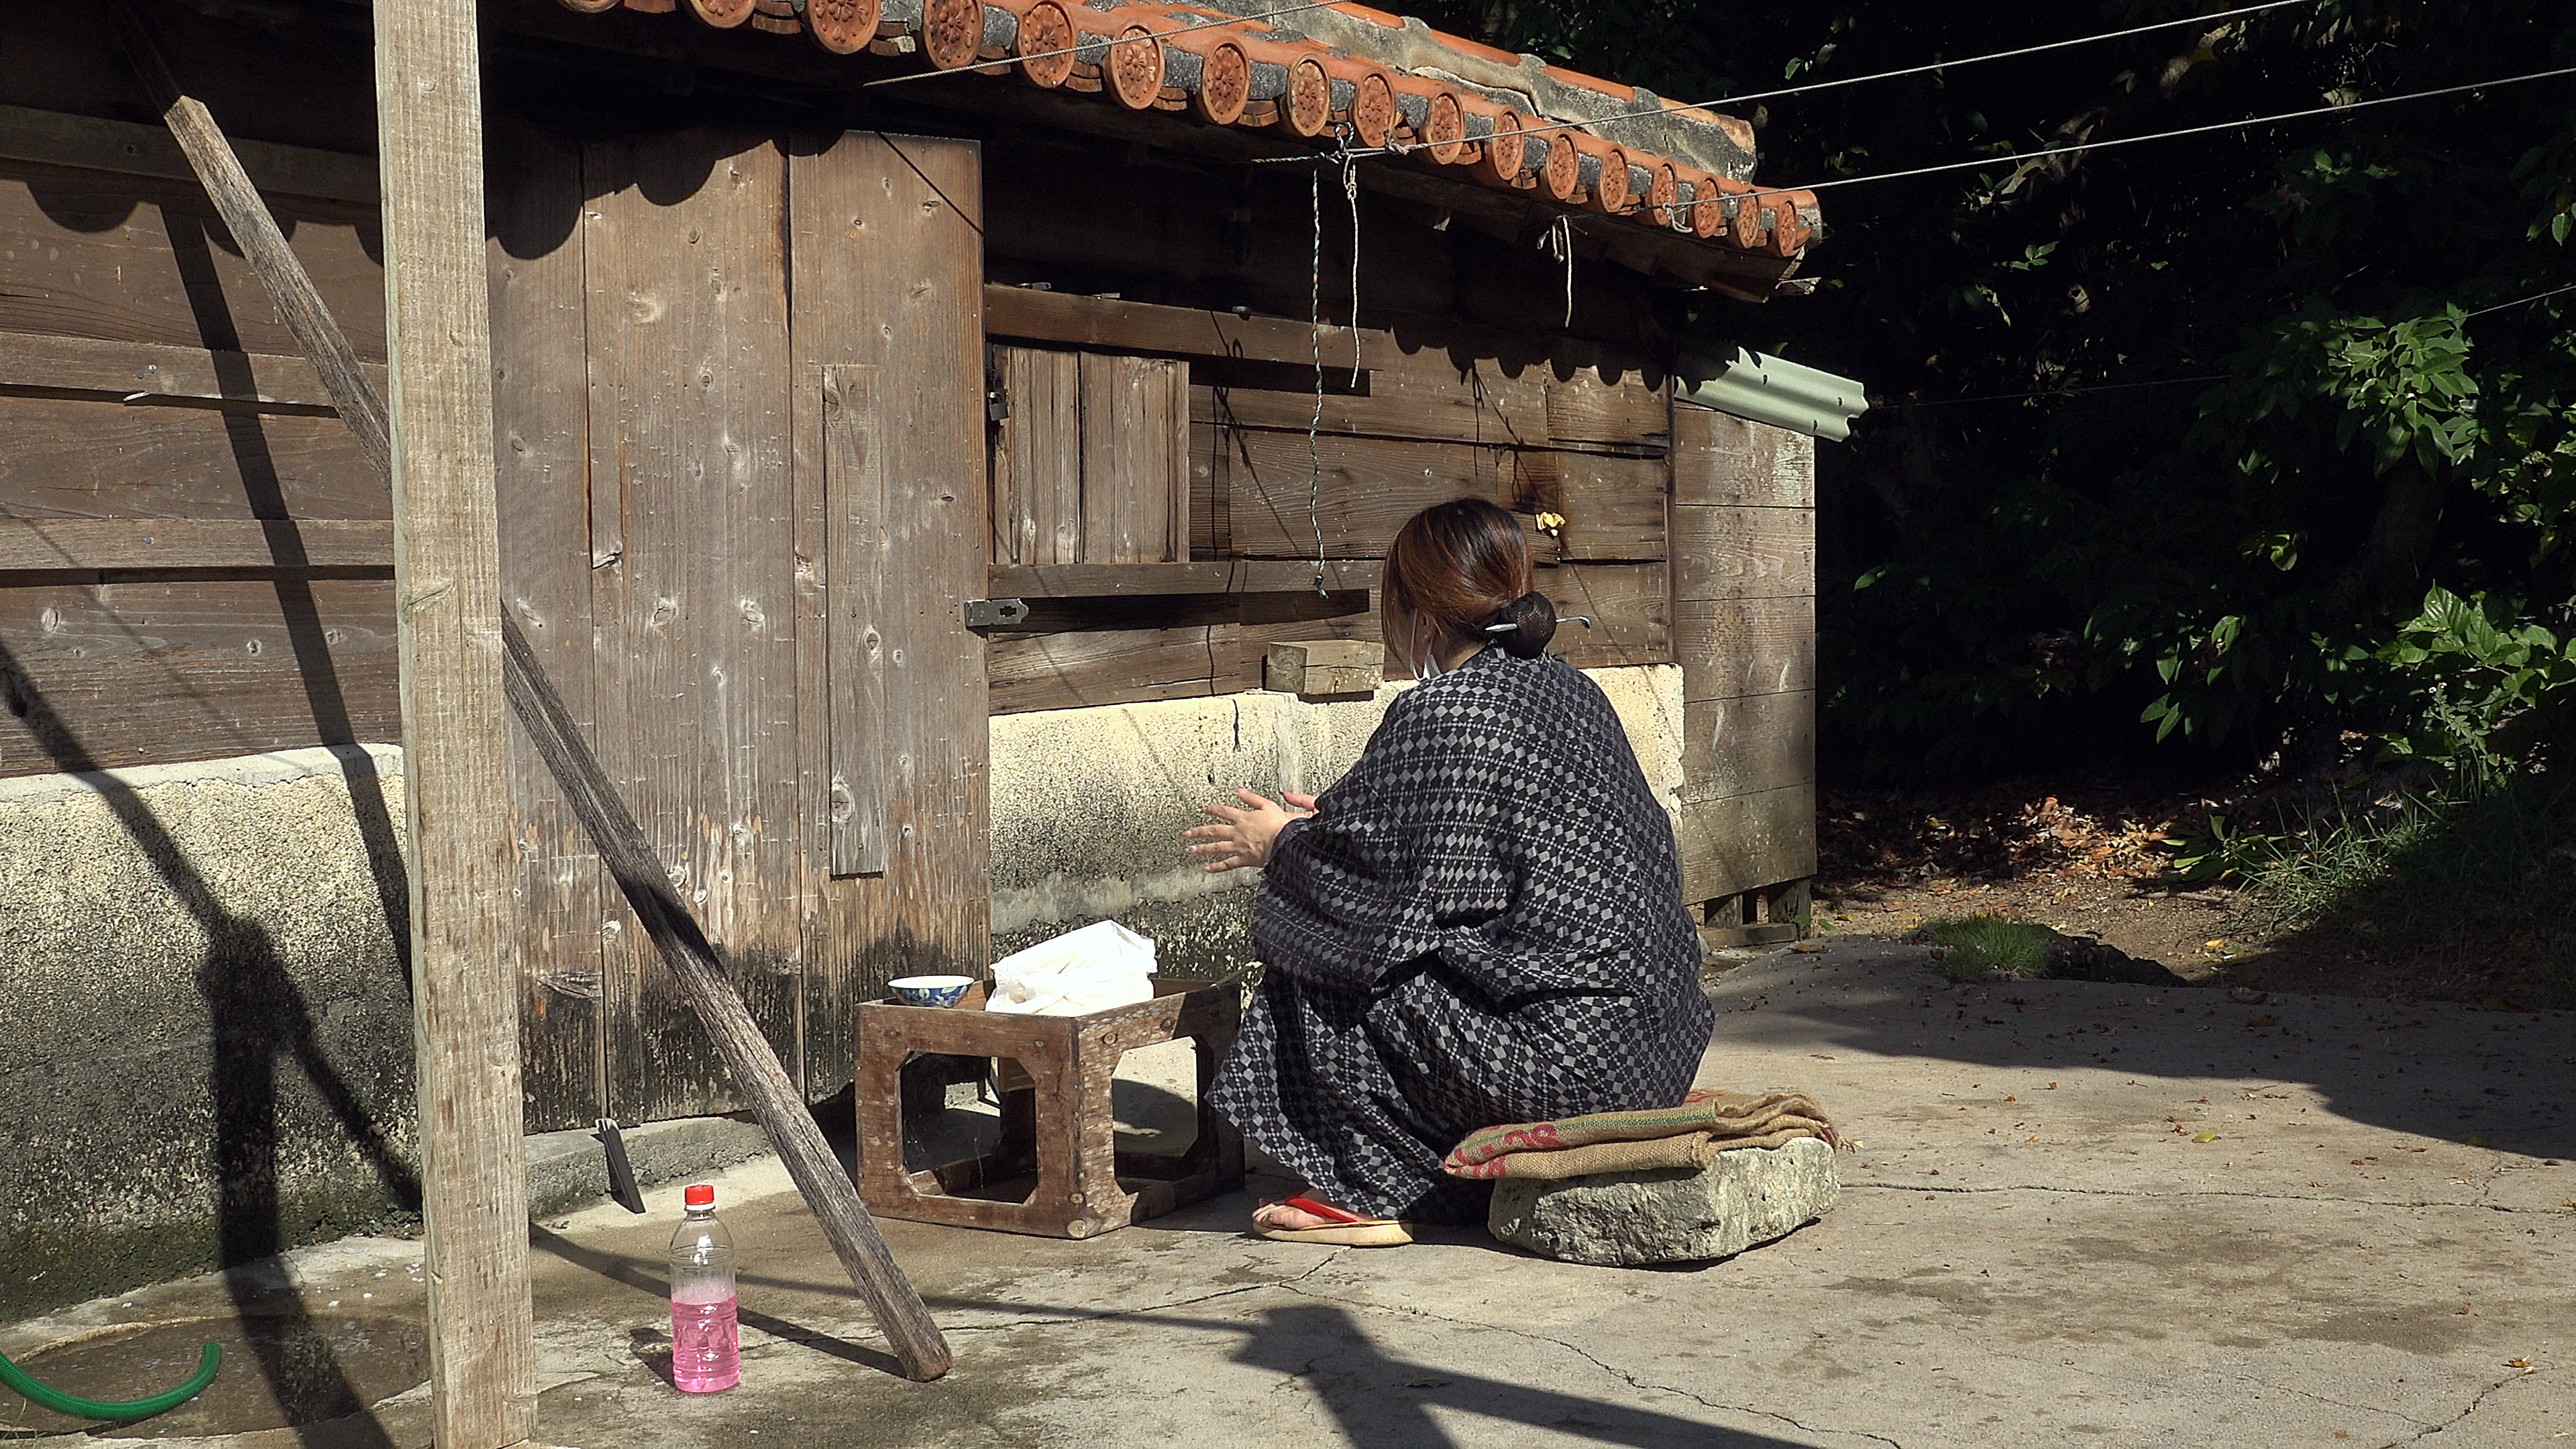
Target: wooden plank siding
{"type": "Point", "coordinates": [195, 556]}
{"type": "Point", "coordinates": [1744, 625]}
{"type": "Point", "coordinates": [884, 240]}
{"type": "Point", "coordinates": [689, 446]}
{"type": "Point", "coordinates": [541, 436]}
{"type": "Point", "coordinates": [1410, 417]}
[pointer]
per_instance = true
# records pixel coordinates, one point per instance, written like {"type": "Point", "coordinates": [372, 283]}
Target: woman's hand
{"type": "Point", "coordinates": [1242, 837]}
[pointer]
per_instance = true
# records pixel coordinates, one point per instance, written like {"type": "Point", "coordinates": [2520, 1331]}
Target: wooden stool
{"type": "Point", "coordinates": [1059, 1141]}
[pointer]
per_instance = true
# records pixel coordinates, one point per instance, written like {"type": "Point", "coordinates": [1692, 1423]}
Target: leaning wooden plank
{"type": "Point", "coordinates": [701, 973]}
{"type": "Point", "coordinates": [298, 302]}
{"type": "Point", "coordinates": [129, 149]}
{"type": "Point", "coordinates": [63, 544]}
{"type": "Point", "coordinates": [146, 372]}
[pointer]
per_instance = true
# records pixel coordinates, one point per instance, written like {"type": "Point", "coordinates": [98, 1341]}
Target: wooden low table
{"type": "Point", "coordinates": [1056, 1170]}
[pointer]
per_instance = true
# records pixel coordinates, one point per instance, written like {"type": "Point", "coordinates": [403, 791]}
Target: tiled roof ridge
{"type": "Point", "coordinates": [1337, 71]}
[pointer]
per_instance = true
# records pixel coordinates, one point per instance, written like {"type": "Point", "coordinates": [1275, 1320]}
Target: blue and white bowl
{"type": "Point", "coordinates": [931, 990]}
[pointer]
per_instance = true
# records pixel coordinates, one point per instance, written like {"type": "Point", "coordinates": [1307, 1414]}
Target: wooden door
{"type": "Point", "coordinates": [759, 596]}
{"type": "Point", "coordinates": [886, 241]}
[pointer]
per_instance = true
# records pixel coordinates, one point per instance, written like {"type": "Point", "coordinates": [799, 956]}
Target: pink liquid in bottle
{"type": "Point", "coordinates": [706, 1342]}
{"type": "Point", "coordinates": [706, 1328]}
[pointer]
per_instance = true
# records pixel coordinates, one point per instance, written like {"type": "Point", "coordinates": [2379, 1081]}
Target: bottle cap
{"type": "Point", "coordinates": [699, 1195]}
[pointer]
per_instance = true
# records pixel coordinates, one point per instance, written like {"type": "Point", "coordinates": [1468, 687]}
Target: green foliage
{"type": "Point", "coordinates": [2218, 851]}
{"type": "Point", "coordinates": [2476, 886]}
{"type": "Point", "coordinates": [2170, 440]}
{"type": "Point", "coordinates": [1990, 946]}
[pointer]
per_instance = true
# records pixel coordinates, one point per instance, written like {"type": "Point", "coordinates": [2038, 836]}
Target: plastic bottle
{"type": "Point", "coordinates": [706, 1331]}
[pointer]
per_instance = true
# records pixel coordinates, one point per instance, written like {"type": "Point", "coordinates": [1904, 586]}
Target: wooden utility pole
{"type": "Point", "coordinates": [456, 746]}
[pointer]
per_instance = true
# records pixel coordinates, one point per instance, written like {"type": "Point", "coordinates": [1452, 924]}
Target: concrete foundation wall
{"type": "Point", "coordinates": [1088, 804]}
{"type": "Point", "coordinates": [205, 1027]}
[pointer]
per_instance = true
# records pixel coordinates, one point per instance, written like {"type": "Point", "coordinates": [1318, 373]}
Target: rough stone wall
{"type": "Point", "coordinates": [205, 1049]}
{"type": "Point", "coordinates": [1088, 804]}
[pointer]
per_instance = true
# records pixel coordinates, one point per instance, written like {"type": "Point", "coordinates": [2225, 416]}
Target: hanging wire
{"type": "Point", "coordinates": [1667, 109]}
{"type": "Point", "coordinates": [2152, 136]}
{"type": "Point", "coordinates": [1351, 191]}
{"type": "Point", "coordinates": [1315, 335]}
{"type": "Point", "coordinates": [2520, 301]}
{"type": "Point", "coordinates": [897, 80]}
{"type": "Point", "coordinates": [1558, 242]}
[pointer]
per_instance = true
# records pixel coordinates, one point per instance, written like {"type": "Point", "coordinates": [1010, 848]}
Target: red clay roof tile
{"type": "Point", "coordinates": [1441, 95]}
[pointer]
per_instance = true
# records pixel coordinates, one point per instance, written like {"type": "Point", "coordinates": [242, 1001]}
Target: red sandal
{"type": "Point", "coordinates": [1345, 1229]}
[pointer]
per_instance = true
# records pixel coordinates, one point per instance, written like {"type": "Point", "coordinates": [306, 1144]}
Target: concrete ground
{"type": "Point", "coordinates": [2078, 1214]}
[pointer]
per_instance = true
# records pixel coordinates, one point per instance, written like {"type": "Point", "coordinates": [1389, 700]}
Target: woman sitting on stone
{"type": "Point", "coordinates": [1481, 923]}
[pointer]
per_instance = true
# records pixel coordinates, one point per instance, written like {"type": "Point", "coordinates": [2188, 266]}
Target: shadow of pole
{"type": "Point", "coordinates": [1380, 1401]}
{"type": "Point", "coordinates": [632, 1274]}
{"type": "Point", "coordinates": [256, 1014]}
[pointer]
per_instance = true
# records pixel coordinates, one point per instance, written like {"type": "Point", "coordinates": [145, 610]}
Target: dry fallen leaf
{"type": "Point", "coordinates": [1806, 948]}
{"type": "Point", "coordinates": [1426, 1382]}
{"type": "Point", "coordinates": [2520, 1363]}
{"type": "Point", "coordinates": [2206, 1137]}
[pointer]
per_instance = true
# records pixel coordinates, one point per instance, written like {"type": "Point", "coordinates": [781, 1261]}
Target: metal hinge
{"type": "Point", "coordinates": [995, 613]}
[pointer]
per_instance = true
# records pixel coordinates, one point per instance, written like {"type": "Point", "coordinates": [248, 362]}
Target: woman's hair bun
{"type": "Point", "coordinates": [1533, 621]}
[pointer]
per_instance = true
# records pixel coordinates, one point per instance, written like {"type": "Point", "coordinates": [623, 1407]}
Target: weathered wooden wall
{"type": "Point", "coordinates": [1744, 585]}
{"type": "Point", "coordinates": [193, 554]}
{"type": "Point", "coordinates": [1428, 413]}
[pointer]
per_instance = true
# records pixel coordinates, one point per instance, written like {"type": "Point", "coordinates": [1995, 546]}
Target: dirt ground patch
{"type": "Point", "coordinates": [2091, 859]}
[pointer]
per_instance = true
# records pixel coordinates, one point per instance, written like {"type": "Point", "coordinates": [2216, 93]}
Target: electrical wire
{"type": "Point", "coordinates": [2154, 136]}
{"type": "Point", "coordinates": [2520, 301]}
{"type": "Point", "coordinates": [1665, 110]}
{"type": "Point", "coordinates": [896, 80]}
{"type": "Point", "coordinates": [1944, 402]}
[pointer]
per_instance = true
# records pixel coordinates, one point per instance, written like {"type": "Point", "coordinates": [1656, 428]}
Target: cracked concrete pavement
{"type": "Point", "coordinates": [2078, 1214]}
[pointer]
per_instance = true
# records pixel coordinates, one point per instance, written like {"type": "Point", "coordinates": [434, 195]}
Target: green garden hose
{"type": "Point", "coordinates": [120, 1412]}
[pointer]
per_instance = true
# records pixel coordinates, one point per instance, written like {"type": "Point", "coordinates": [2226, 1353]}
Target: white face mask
{"type": "Point", "coordinates": [1426, 654]}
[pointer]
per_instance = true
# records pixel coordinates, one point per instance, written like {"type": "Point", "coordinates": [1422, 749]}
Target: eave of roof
{"type": "Point", "coordinates": [1340, 74]}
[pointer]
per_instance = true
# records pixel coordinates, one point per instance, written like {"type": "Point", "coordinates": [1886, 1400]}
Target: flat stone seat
{"type": "Point", "coordinates": [1673, 1214]}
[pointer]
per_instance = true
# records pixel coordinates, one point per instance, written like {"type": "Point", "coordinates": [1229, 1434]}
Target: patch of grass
{"type": "Point", "coordinates": [2476, 888]}
{"type": "Point", "coordinates": [1990, 946]}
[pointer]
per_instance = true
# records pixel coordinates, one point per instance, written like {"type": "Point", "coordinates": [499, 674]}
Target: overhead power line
{"type": "Point", "coordinates": [2521, 301]}
{"type": "Point", "coordinates": [2021, 156]}
{"type": "Point", "coordinates": [1665, 110]}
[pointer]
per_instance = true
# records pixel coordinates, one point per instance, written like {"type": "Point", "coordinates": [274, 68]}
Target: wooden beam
{"type": "Point", "coordinates": [53, 545]}
{"type": "Point", "coordinates": [466, 978]}
{"type": "Point", "coordinates": [447, 590]}
{"type": "Point", "coordinates": [127, 149]}
{"type": "Point", "coordinates": [1106, 322]}
{"type": "Point", "coordinates": [1222, 576]}
{"type": "Point", "coordinates": [147, 372]}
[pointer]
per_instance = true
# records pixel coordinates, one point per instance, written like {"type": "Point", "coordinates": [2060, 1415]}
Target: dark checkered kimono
{"type": "Point", "coordinates": [1482, 924]}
